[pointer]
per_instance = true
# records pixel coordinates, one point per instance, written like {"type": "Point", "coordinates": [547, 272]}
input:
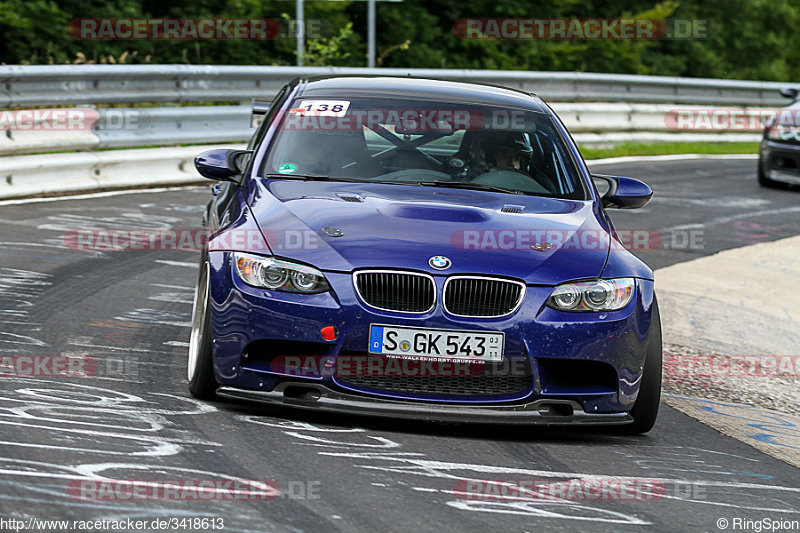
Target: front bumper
{"type": "Point", "coordinates": [780, 161]}
{"type": "Point", "coordinates": [545, 340]}
{"type": "Point", "coordinates": [320, 398]}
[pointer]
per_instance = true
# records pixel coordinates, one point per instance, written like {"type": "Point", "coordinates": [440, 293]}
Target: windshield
{"type": "Point", "coordinates": [423, 143]}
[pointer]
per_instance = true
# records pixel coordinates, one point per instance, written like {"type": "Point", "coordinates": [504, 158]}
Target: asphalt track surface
{"type": "Point", "coordinates": [134, 419]}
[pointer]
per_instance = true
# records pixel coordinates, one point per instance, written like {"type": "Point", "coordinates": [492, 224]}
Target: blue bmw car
{"type": "Point", "coordinates": [422, 249]}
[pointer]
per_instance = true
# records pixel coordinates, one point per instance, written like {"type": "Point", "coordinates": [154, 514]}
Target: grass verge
{"type": "Point", "coordinates": [631, 149]}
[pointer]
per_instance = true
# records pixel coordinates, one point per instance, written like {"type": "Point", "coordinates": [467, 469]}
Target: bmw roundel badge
{"type": "Point", "coordinates": [439, 262]}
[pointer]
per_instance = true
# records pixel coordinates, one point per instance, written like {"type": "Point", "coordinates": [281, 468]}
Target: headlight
{"type": "Point", "coordinates": [780, 132]}
{"type": "Point", "coordinates": [279, 275]}
{"type": "Point", "coordinates": [600, 295]}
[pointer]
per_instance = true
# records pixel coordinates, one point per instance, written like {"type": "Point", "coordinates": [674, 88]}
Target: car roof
{"type": "Point", "coordinates": [418, 89]}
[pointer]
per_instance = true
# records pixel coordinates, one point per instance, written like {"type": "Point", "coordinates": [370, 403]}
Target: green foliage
{"type": "Point", "coordinates": [333, 51]}
{"type": "Point", "coordinates": [745, 39]}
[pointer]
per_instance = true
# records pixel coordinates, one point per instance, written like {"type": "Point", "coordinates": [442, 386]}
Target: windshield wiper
{"type": "Point", "coordinates": [468, 185]}
{"type": "Point", "coordinates": [301, 176]}
{"type": "Point", "coordinates": [315, 177]}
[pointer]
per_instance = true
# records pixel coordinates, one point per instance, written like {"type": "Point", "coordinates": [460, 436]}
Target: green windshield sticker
{"type": "Point", "coordinates": [287, 168]}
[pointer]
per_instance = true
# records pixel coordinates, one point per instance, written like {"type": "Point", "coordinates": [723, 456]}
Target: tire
{"type": "Point", "coordinates": [200, 366]}
{"type": "Point", "coordinates": [645, 409]}
{"type": "Point", "coordinates": [764, 181]}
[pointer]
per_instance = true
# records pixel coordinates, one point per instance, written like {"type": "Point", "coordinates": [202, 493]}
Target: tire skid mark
{"type": "Point", "coordinates": [19, 289]}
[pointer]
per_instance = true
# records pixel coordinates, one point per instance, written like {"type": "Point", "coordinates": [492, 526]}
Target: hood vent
{"type": "Point", "coordinates": [349, 197]}
{"type": "Point", "coordinates": [508, 208]}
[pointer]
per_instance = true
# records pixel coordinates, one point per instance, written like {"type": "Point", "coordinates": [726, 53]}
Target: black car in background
{"type": "Point", "coordinates": [779, 155]}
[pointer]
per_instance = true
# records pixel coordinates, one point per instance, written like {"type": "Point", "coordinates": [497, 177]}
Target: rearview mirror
{"type": "Point", "coordinates": [222, 164]}
{"type": "Point", "coordinates": [789, 93]}
{"type": "Point", "coordinates": [624, 193]}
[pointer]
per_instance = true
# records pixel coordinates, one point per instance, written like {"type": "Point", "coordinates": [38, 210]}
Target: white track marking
{"type": "Point", "coordinates": [176, 263]}
{"type": "Point", "coordinates": [93, 195]}
{"type": "Point", "coordinates": [395, 463]}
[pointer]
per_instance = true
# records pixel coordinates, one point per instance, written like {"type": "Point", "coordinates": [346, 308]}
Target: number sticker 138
{"type": "Point", "coordinates": [325, 108]}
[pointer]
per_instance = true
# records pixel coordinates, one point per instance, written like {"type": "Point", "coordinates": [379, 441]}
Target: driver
{"type": "Point", "coordinates": [506, 150]}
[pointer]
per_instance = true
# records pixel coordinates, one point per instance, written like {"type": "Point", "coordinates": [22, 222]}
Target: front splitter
{"type": "Point", "coordinates": [318, 397]}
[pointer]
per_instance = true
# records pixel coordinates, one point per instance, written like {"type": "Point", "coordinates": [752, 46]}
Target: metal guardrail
{"type": "Point", "coordinates": [172, 125]}
{"type": "Point", "coordinates": [22, 85]}
{"type": "Point", "coordinates": [590, 124]}
{"type": "Point", "coordinates": [29, 175]}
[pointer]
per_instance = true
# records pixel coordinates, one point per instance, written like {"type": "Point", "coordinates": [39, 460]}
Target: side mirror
{"type": "Point", "coordinates": [789, 93]}
{"type": "Point", "coordinates": [222, 164]}
{"type": "Point", "coordinates": [624, 193]}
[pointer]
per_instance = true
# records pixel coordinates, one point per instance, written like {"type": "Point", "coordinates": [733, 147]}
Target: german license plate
{"type": "Point", "coordinates": [436, 343]}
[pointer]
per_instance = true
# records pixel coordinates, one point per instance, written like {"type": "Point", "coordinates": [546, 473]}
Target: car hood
{"type": "Point", "coordinates": [342, 226]}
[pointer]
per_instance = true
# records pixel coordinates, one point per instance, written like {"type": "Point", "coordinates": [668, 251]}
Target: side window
{"type": "Point", "coordinates": [549, 159]}
{"type": "Point", "coordinates": [255, 140]}
{"type": "Point", "coordinates": [257, 136]}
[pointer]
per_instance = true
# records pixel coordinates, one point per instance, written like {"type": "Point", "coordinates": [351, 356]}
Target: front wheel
{"type": "Point", "coordinates": [764, 181]}
{"type": "Point", "coordinates": [200, 368]}
{"type": "Point", "coordinates": [645, 409]}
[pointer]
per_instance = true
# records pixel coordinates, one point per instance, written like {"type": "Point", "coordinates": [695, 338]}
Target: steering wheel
{"type": "Point", "coordinates": [511, 178]}
{"type": "Point", "coordinates": [455, 166]}
{"type": "Point", "coordinates": [423, 174]}
{"type": "Point", "coordinates": [537, 176]}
